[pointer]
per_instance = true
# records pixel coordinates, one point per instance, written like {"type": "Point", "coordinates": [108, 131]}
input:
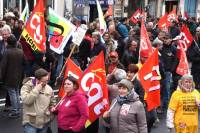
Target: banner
{"type": "Point", "coordinates": [149, 77]}
{"type": "Point", "coordinates": [183, 67]}
{"type": "Point", "coordinates": [71, 70]}
{"type": "Point", "coordinates": [93, 83]}
{"type": "Point", "coordinates": [137, 15]}
{"type": "Point", "coordinates": [145, 43]}
{"type": "Point", "coordinates": [60, 30]}
{"type": "Point", "coordinates": [34, 31]}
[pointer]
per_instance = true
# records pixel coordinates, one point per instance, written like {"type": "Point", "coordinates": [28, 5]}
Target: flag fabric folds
{"type": "Point", "coordinates": [183, 66]}
{"type": "Point", "coordinates": [145, 44]}
{"type": "Point", "coordinates": [34, 31]}
{"type": "Point", "coordinates": [60, 33]}
{"type": "Point", "coordinates": [149, 77]}
{"type": "Point", "coordinates": [137, 15]}
{"type": "Point", "coordinates": [25, 14]}
{"type": "Point", "coordinates": [93, 83]}
{"type": "Point", "coordinates": [102, 22]}
{"type": "Point", "coordinates": [165, 21]}
{"type": "Point", "coordinates": [71, 70]}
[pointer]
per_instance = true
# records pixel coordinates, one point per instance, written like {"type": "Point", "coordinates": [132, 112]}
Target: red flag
{"type": "Point", "coordinates": [93, 82]}
{"type": "Point", "coordinates": [109, 12]}
{"type": "Point", "coordinates": [149, 77]}
{"type": "Point", "coordinates": [136, 16]}
{"type": "Point", "coordinates": [73, 70]}
{"type": "Point", "coordinates": [162, 23]}
{"type": "Point", "coordinates": [34, 31]}
{"type": "Point", "coordinates": [172, 16]}
{"type": "Point", "coordinates": [185, 39]}
{"type": "Point", "coordinates": [165, 21]}
{"type": "Point", "coordinates": [145, 44]}
{"type": "Point", "coordinates": [183, 67]}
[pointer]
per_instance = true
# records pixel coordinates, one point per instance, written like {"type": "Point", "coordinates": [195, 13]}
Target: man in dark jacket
{"type": "Point", "coordinates": [12, 66]}
{"type": "Point", "coordinates": [193, 54]}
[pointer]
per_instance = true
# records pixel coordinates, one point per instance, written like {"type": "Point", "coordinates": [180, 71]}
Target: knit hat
{"type": "Point", "coordinates": [127, 83]}
{"type": "Point", "coordinates": [186, 76]}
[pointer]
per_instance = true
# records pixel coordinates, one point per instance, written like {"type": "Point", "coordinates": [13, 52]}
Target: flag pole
{"type": "Point", "coordinates": [63, 68]}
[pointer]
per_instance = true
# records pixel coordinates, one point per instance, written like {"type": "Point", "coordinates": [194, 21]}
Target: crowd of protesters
{"type": "Point", "coordinates": [120, 45]}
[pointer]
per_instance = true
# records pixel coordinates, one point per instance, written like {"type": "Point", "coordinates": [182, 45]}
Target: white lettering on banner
{"type": "Point", "coordinates": [171, 17]}
{"type": "Point", "coordinates": [37, 36]}
{"type": "Point", "coordinates": [157, 87]}
{"type": "Point", "coordinates": [94, 97]}
{"type": "Point", "coordinates": [184, 41]}
{"type": "Point", "coordinates": [151, 76]}
{"type": "Point", "coordinates": [70, 73]}
{"type": "Point", "coordinates": [85, 79]}
{"type": "Point", "coordinates": [98, 107]}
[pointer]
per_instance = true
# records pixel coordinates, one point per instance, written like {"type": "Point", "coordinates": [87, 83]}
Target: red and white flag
{"type": "Point", "coordinates": [93, 83]}
{"type": "Point", "coordinates": [137, 15]}
{"type": "Point", "coordinates": [183, 67]}
{"type": "Point", "coordinates": [185, 39]}
{"type": "Point", "coordinates": [145, 43]}
{"type": "Point", "coordinates": [165, 21]}
{"type": "Point", "coordinates": [149, 77]}
{"type": "Point", "coordinates": [34, 32]}
{"type": "Point", "coordinates": [71, 70]}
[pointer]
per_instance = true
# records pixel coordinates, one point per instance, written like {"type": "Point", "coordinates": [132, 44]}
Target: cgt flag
{"type": "Point", "coordinates": [93, 83]}
{"type": "Point", "coordinates": [145, 44]}
{"type": "Point", "coordinates": [149, 77]}
{"type": "Point", "coordinates": [183, 67]}
{"type": "Point", "coordinates": [137, 15]}
{"type": "Point", "coordinates": [34, 31]}
{"type": "Point", "coordinates": [71, 70]}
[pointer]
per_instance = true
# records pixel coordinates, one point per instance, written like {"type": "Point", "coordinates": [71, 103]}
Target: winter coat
{"type": "Point", "coordinates": [73, 112]}
{"type": "Point", "coordinates": [129, 117]}
{"type": "Point", "coordinates": [193, 54]}
{"type": "Point", "coordinates": [12, 67]}
{"type": "Point", "coordinates": [169, 57]}
{"type": "Point", "coordinates": [37, 101]}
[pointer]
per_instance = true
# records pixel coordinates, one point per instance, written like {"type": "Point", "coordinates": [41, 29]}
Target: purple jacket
{"type": "Point", "coordinates": [73, 112]}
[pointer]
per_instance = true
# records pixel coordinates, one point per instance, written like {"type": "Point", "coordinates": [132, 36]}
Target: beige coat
{"type": "Point", "coordinates": [37, 102]}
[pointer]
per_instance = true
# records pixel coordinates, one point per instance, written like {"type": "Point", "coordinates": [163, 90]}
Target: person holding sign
{"type": "Point", "coordinates": [127, 113]}
{"type": "Point", "coordinates": [182, 113]}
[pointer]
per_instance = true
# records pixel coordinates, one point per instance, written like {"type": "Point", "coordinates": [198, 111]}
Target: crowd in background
{"type": "Point", "coordinates": [120, 44]}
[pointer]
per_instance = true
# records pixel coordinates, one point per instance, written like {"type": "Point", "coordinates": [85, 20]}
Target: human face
{"type": "Point", "coordinates": [43, 81]}
{"type": "Point", "coordinates": [133, 46]}
{"type": "Point", "coordinates": [5, 34]}
{"type": "Point", "coordinates": [130, 75]}
{"type": "Point", "coordinates": [187, 84]}
{"type": "Point", "coordinates": [123, 91]}
{"type": "Point", "coordinates": [95, 39]}
{"type": "Point", "coordinates": [68, 87]}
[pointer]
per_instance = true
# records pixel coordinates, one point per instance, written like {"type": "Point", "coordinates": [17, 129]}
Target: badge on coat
{"type": "Point", "coordinates": [125, 109]}
{"type": "Point", "coordinates": [67, 103]}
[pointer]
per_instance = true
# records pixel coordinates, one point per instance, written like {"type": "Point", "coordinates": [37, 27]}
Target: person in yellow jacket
{"type": "Point", "coordinates": [182, 113]}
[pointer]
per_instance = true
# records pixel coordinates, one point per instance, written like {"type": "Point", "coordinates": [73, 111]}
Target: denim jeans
{"type": "Point", "coordinates": [31, 129]}
{"type": "Point", "coordinates": [166, 89]}
{"type": "Point", "coordinates": [60, 64]}
{"type": "Point", "coordinates": [14, 98]}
